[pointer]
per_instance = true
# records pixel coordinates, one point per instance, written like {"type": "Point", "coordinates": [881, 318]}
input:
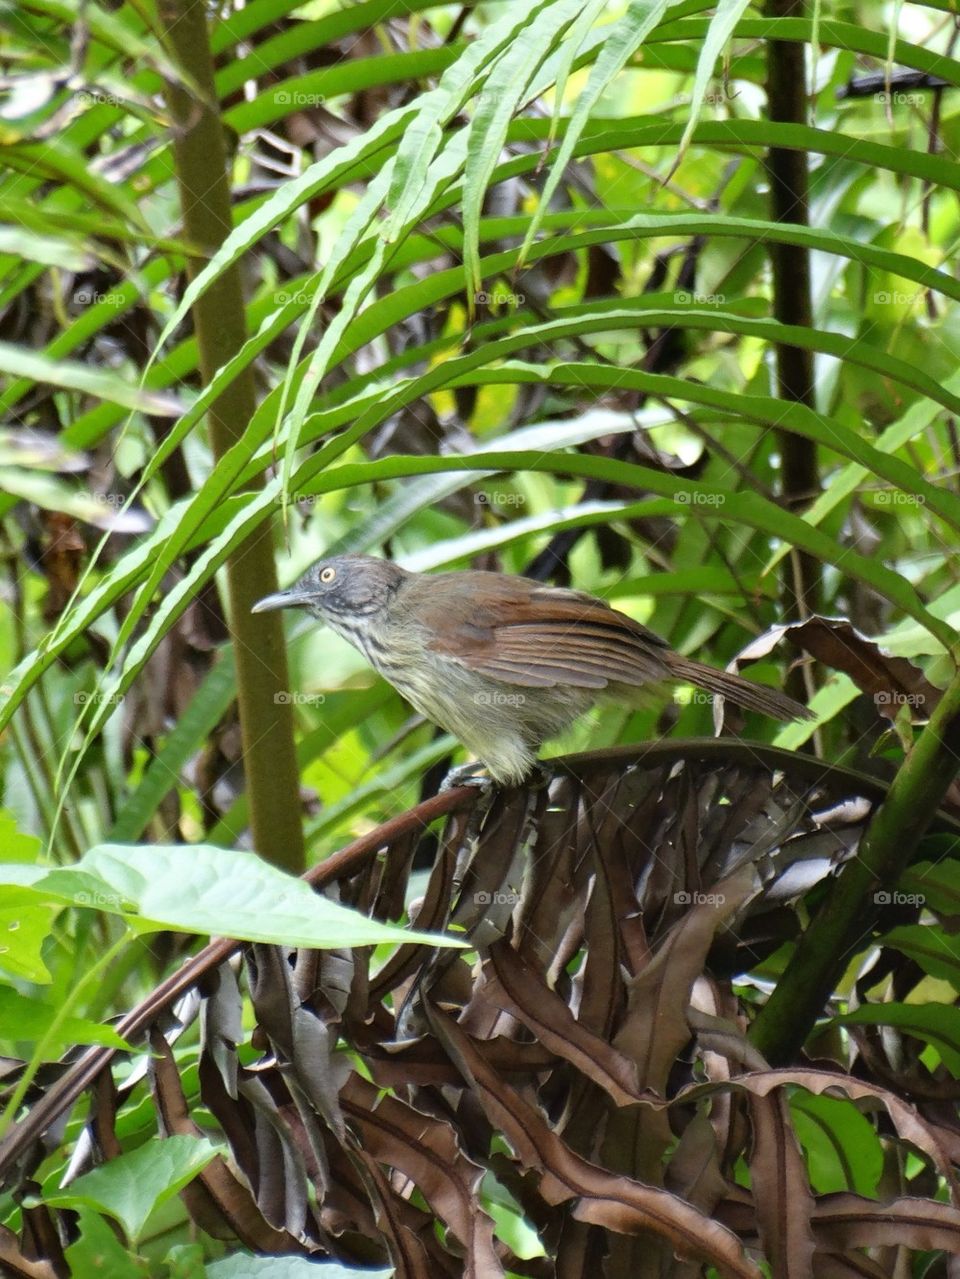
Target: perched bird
{"type": "Point", "coordinates": [500, 662]}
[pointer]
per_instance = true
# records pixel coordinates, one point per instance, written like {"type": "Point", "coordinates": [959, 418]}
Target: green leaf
{"type": "Point", "coordinates": [20, 362]}
{"type": "Point", "coordinates": [197, 888]}
{"type": "Point", "coordinates": [936, 884]}
{"type": "Point", "coordinates": [16, 845]}
{"type": "Point", "coordinates": [97, 1250]}
{"type": "Point", "coordinates": [625, 37]}
{"type": "Point", "coordinates": [934, 949]}
{"type": "Point", "coordinates": [67, 255]}
{"type": "Point", "coordinates": [935, 1024]}
{"type": "Point", "coordinates": [720, 30]}
{"type": "Point", "coordinates": [23, 1019]}
{"type": "Point", "coordinates": [132, 1186]}
{"type": "Point", "coordinates": [25, 924]}
{"type": "Point", "coordinates": [841, 1146]}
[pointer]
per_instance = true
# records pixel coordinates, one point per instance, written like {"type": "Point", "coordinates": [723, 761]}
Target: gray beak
{"type": "Point", "coordinates": [295, 597]}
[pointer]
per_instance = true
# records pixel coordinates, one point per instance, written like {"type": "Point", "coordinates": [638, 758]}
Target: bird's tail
{"type": "Point", "coordinates": [752, 697]}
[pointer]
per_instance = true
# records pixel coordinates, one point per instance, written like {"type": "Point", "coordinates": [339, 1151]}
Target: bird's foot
{"type": "Point", "coordinates": [467, 775]}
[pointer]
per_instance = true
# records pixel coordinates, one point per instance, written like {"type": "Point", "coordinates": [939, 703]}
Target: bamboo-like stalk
{"type": "Point", "coordinates": [266, 717]}
{"type": "Point", "coordinates": [792, 300]}
{"type": "Point", "coordinates": [846, 917]}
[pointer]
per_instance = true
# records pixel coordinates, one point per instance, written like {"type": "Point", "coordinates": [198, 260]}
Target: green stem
{"type": "Point", "coordinates": [845, 919]}
{"type": "Point", "coordinates": [219, 318]}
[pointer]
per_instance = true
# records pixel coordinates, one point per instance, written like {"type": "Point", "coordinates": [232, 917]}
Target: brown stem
{"type": "Point", "coordinates": [792, 298]}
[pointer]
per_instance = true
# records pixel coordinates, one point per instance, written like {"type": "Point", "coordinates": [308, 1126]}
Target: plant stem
{"type": "Point", "coordinates": [792, 301]}
{"type": "Point", "coordinates": [266, 716]}
{"type": "Point", "coordinates": [846, 917]}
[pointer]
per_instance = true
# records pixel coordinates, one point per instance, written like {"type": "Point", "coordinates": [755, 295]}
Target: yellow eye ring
{"type": "Point", "coordinates": [327, 574]}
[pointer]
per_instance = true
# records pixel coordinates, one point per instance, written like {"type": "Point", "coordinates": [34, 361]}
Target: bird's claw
{"type": "Point", "coordinates": [467, 775]}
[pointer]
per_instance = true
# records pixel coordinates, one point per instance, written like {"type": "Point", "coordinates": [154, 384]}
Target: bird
{"type": "Point", "coordinates": [501, 662]}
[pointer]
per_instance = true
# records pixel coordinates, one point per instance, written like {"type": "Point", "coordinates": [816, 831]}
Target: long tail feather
{"type": "Point", "coordinates": [752, 697]}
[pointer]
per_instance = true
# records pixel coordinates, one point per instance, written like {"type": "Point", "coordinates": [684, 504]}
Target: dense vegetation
{"type": "Point", "coordinates": [655, 299]}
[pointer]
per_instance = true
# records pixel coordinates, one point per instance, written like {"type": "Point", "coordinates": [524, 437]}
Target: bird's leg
{"type": "Point", "coordinates": [467, 775]}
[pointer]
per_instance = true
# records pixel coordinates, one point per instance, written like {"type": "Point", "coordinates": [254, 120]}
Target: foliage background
{"type": "Point", "coordinates": [591, 291]}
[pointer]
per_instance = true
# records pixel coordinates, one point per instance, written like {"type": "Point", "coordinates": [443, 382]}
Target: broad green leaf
{"type": "Point", "coordinates": [933, 948]}
{"type": "Point", "coordinates": [133, 1185]}
{"type": "Point", "coordinates": [935, 884]}
{"type": "Point", "coordinates": [16, 845]}
{"type": "Point", "coordinates": [842, 1148]}
{"type": "Point", "coordinates": [934, 1024]}
{"type": "Point", "coordinates": [25, 1019]}
{"type": "Point", "coordinates": [97, 1250]}
{"type": "Point", "coordinates": [197, 888]}
{"type": "Point", "coordinates": [25, 924]}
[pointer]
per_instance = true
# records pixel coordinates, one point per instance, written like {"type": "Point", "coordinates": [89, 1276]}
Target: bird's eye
{"type": "Point", "coordinates": [327, 574]}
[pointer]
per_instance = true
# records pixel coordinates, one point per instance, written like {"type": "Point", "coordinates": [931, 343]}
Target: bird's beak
{"type": "Point", "coordinates": [295, 597]}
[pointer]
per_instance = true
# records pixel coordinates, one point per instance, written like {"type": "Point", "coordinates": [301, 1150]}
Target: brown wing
{"type": "Point", "coordinates": [515, 630]}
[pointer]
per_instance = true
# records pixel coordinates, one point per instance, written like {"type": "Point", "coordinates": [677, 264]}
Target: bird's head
{"type": "Point", "coordinates": [342, 589]}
